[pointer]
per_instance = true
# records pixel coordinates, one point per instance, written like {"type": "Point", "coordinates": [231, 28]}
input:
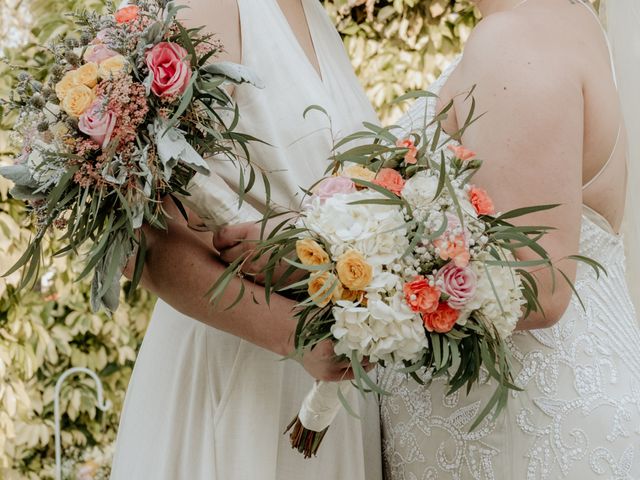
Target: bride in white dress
{"type": "Point", "coordinates": [212, 400]}
{"type": "Point", "coordinates": [553, 133]}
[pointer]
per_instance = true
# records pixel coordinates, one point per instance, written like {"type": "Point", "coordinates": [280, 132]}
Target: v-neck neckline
{"type": "Point", "coordinates": [317, 71]}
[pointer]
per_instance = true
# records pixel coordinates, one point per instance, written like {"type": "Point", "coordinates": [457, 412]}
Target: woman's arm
{"type": "Point", "coordinates": [532, 138]}
{"type": "Point", "coordinates": [181, 266]}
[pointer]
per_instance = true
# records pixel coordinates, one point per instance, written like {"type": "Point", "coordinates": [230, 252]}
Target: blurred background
{"type": "Point", "coordinates": [395, 45]}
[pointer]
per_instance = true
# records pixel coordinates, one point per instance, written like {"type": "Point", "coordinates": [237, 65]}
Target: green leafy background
{"type": "Point", "coordinates": [396, 46]}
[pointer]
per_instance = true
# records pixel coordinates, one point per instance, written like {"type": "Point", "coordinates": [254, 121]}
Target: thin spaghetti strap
{"type": "Point", "coordinates": [615, 81]}
{"type": "Point", "coordinates": [606, 39]}
{"type": "Point", "coordinates": [604, 167]}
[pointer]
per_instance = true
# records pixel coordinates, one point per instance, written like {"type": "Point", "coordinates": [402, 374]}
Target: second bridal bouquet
{"type": "Point", "coordinates": [133, 103]}
{"type": "Point", "coordinates": [408, 265]}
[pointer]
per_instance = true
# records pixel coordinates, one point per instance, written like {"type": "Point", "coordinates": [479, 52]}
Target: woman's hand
{"type": "Point", "coordinates": [236, 241]}
{"type": "Point", "coordinates": [322, 364]}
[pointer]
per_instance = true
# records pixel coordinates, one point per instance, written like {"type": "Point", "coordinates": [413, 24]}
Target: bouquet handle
{"type": "Point", "coordinates": [319, 409]}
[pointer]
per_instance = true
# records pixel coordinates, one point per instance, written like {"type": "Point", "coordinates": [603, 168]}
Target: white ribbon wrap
{"type": "Point", "coordinates": [321, 405]}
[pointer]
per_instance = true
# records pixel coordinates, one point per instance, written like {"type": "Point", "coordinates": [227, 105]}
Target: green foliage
{"type": "Point", "coordinates": [401, 45]}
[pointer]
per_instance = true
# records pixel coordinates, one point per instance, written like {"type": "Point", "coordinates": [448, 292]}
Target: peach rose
{"type": "Point", "coordinates": [410, 157]}
{"type": "Point", "coordinates": [462, 153]}
{"type": "Point", "coordinates": [66, 83]}
{"type": "Point", "coordinates": [453, 244]}
{"type": "Point", "coordinates": [454, 249]}
{"type": "Point", "coordinates": [98, 123]}
{"type": "Point", "coordinates": [87, 74]}
{"type": "Point", "coordinates": [127, 14]}
{"type": "Point", "coordinates": [171, 69]}
{"type": "Point", "coordinates": [481, 201]}
{"type": "Point", "coordinates": [77, 100]}
{"type": "Point", "coordinates": [442, 320]}
{"type": "Point", "coordinates": [359, 172]}
{"type": "Point", "coordinates": [311, 253]}
{"type": "Point", "coordinates": [421, 297]}
{"type": "Point", "coordinates": [112, 66]}
{"type": "Point", "coordinates": [322, 288]}
{"type": "Point", "coordinates": [391, 180]}
{"type": "Point", "coordinates": [353, 270]}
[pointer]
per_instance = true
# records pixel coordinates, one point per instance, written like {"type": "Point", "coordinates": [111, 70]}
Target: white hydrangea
{"type": "Point", "coordinates": [384, 330]}
{"type": "Point", "coordinates": [505, 310]}
{"type": "Point", "coordinates": [420, 190]}
{"type": "Point", "coordinates": [376, 231]}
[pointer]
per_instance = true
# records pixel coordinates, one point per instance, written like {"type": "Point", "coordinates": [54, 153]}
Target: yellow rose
{"type": "Point", "coordinates": [67, 82]}
{"type": "Point", "coordinates": [112, 66]}
{"type": "Point", "coordinates": [311, 253]}
{"type": "Point", "coordinates": [353, 270]}
{"type": "Point", "coordinates": [322, 288]}
{"type": "Point", "coordinates": [343, 293]}
{"type": "Point", "coordinates": [359, 172]}
{"type": "Point", "coordinates": [78, 99]}
{"type": "Point", "coordinates": [87, 74]}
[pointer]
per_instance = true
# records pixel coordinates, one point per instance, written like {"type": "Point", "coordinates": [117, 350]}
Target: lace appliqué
{"type": "Point", "coordinates": [579, 413]}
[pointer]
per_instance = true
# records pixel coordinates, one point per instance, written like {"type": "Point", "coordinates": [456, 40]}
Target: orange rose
{"type": "Point", "coordinates": [481, 201]}
{"type": "Point", "coordinates": [127, 14]}
{"type": "Point", "coordinates": [442, 320]}
{"type": "Point", "coordinates": [411, 156]}
{"type": "Point", "coordinates": [353, 270]}
{"type": "Point", "coordinates": [421, 297]}
{"type": "Point", "coordinates": [391, 180]}
{"type": "Point", "coordinates": [462, 153]}
{"type": "Point", "coordinates": [311, 253]}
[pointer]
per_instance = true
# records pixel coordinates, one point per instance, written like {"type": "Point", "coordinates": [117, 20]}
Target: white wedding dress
{"type": "Point", "coordinates": [205, 405]}
{"type": "Point", "coordinates": [579, 414]}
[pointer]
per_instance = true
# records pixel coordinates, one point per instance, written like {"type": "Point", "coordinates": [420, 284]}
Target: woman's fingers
{"type": "Point", "coordinates": [229, 255]}
{"type": "Point", "coordinates": [230, 236]}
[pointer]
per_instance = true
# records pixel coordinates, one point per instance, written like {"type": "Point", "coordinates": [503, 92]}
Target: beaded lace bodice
{"type": "Point", "coordinates": [578, 416]}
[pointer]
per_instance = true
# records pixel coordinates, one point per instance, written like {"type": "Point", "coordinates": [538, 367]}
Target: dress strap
{"type": "Point", "coordinates": [604, 167]}
{"type": "Point", "coordinates": [615, 81]}
{"type": "Point", "coordinates": [606, 39]}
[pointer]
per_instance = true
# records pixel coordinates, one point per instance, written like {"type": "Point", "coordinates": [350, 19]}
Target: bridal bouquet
{"type": "Point", "coordinates": [408, 266]}
{"type": "Point", "coordinates": [133, 102]}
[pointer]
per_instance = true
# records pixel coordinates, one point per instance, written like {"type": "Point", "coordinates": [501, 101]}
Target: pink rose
{"type": "Point", "coordinates": [171, 69]}
{"type": "Point", "coordinates": [98, 53]}
{"type": "Point", "coordinates": [331, 186]}
{"type": "Point", "coordinates": [98, 123]}
{"type": "Point", "coordinates": [458, 283]}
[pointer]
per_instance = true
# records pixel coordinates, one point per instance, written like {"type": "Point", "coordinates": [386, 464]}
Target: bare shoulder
{"type": "Point", "coordinates": [220, 17]}
{"type": "Point", "coordinates": [512, 51]}
{"type": "Point", "coordinates": [506, 39]}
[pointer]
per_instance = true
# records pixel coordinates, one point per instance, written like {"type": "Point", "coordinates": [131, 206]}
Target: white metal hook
{"type": "Point", "coordinates": [102, 405]}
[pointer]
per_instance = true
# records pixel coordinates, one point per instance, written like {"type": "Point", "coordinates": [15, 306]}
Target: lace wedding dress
{"type": "Point", "coordinates": [579, 414]}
